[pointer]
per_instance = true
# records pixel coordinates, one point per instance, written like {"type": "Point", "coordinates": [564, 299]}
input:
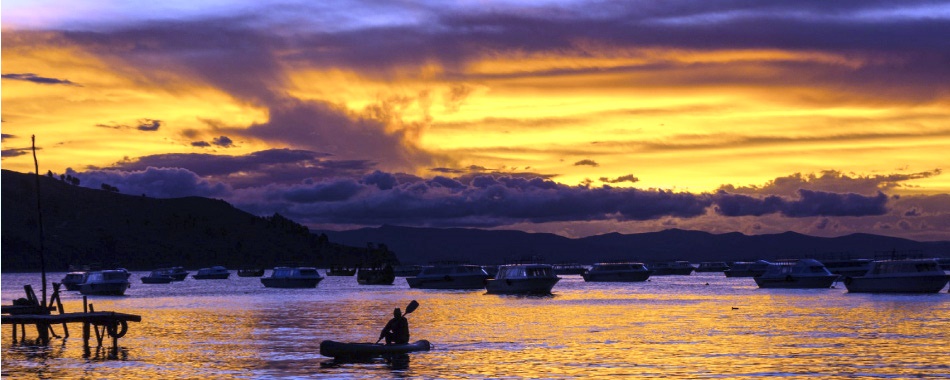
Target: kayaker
{"type": "Point", "coordinates": [397, 330]}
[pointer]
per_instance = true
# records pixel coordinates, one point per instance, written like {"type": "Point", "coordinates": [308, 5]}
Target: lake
{"type": "Point", "coordinates": [699, 326]}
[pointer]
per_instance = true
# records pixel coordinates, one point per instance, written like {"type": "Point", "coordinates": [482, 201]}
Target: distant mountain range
{"type": "Point", "coordinates": [85, 226]}
{"type": "Point", "coordinates": [424, 245]}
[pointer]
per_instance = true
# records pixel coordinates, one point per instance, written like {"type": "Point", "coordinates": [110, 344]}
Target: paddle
{"type": "Point", "coordinates": [412, 306]}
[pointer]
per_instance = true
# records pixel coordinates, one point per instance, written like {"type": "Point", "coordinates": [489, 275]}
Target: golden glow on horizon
{"type": "Point", "coordinates": [672, 126]}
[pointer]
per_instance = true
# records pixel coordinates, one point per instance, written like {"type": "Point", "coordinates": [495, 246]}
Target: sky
{"type": "Point", "coordinates": [577, 118]}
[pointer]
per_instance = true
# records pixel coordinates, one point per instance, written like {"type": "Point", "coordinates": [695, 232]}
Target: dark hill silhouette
{"type": "Point", "coordinates": [86, 226]}
{"type": "Point", "coordinates": [422, 245]}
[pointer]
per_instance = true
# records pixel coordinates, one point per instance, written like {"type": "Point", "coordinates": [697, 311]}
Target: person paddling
{"type": "Point", "coordinates": [397, 330]}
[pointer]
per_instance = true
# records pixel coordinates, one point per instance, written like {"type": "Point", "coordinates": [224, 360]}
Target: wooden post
{"type": "Point", "coordinates": [14, 333]}
{"type": "Point", "coordinates": [85, 326]}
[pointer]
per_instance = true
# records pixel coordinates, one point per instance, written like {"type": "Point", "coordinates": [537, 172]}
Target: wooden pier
{"type": "Point", "coordinates": [103, 323]}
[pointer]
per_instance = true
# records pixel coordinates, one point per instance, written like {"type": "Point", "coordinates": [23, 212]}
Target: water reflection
{"type": "Point", "coordinates": [669, 327]}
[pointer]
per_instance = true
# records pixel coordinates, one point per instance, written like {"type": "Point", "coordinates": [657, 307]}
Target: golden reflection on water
{"type": "Point", "coordinates": [668, 327]}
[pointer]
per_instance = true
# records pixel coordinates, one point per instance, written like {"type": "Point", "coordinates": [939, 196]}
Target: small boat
{"type": "Point", "coordinates": [364, 351]}
{"type": "Point", "coordinates": [340, 271]}
{"type": "Point", "coordinates": [848, 267]}
{"type": "Point", "coordinates": [617, 272]}
{"type": "Point", "coordinates": [292, 277]}
{"type": "Point", "coordinates": [105, 282]}
{"type": "Point", "coordinates": [569, 268]}
{"type": "Point", "coordinates": [459, 276]}
{"type": "Point", "coordinates": [247, 272]}
{"type": "Point", "coordinates": [213, 273]}
{"type": "Point", "coordinates": [158, 276]}
{"type": "Point", "coordinates": [523, 279]}
{"type": "Point", "coordinates": [747, 268]}
{"type": "Point", "coordinates": [796, 274]}
{"type": "Point", "coordinates": [899, 276]}
{"type": "Point", "coordinates": [178, 273]}
{"type": "Point", "coordinates": [73, 280]}
{"type": "Point", "coordinates": [407, 270]}
{"type": "Point", "coordinates": [376, 276]}
{"type": "Point", "coordinates": [667, 268]}
{"type": "Point", "coordinates": [712, 266]}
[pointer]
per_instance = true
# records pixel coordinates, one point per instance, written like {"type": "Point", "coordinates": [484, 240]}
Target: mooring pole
{"type": "Point", "coordinates": [39, 211]}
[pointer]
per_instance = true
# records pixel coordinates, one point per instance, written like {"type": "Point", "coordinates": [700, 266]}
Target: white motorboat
{"type": "Point", "coordinates": [461, 276]}
{"type": "Point", "coordinates": [105, 282]}
{"type": "Point", "coordinates": [796, 274]}
{"type": "Point", "coordinates": [617, 272]}
{"type": "Point", "coordinates": [292, 277]}
{"type": "Point", "coordinates": [666, 268]}
{"type": "Point", "coordinates": [73, 280]}
{"type": "Point", "coordinates": [899, 276]}
{"type": "Point", "coordinates": [213, 273]}
{"type": "Point", "coordinates": [523, 279]}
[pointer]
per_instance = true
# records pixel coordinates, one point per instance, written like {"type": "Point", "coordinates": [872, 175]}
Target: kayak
{"type": "Point", "coordinates": [335, 349]}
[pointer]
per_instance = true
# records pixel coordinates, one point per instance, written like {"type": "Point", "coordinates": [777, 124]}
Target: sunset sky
{"type": "Point", "coordinates": [572, 117]}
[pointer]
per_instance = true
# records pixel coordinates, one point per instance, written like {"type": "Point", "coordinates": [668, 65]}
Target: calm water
{"type": "Point", "coordinates": [704, 325]}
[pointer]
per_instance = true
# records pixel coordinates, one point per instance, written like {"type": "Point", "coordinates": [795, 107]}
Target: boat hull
{"type": "Point", "coordinates": [522, 285]}
{"type": "Point", "coordinates": [290, 283]}
{"type": "Point", "coordinates": [630, 276]}
{"type": "Point", "coordinates": [361, 351]}
{"type": "Point", "coordinates": [157, 279]}
{"type": "Point", "coordinates": [104, 289]}
{"type": "Point", "coordinates": [796, 282]}
{"type": "Point", "coordinates": [447, 282]}
{"type": "Point", "coordinates": [896, 284]}
{"type": "Point", "coordinates": [216, 276]}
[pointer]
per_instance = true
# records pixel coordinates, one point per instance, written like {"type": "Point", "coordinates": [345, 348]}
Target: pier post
{"type": "Point", "coordinates": [85, 326]}
{"type": "Point", "coordinates": [14, 333]}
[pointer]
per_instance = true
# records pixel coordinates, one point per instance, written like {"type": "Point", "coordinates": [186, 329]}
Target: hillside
{"type": "Point", "coordinates": [422, 245]}
{"type": "Point", "coordinates": [86, 226]}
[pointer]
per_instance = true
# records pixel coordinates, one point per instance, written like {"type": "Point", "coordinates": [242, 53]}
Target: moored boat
{"type": "Point", "coordinates": [363, 351]}
{"type": "Point", "coordinates": [73, 280]}
{"type": "Point", "coordinates": [292, 277]}
{"type": "Point", "coordinates": [460, 276]}
{"type": "Point", "coordinates": [617, 272]}
{"type": "Point", "coordinates": [848, 267]}
{"type": "Point", "coordinates": [796, 274]}
{"type": "Point", "coordinates": [340, 271]}
{"type": "Point", "coordinates": [213, 273]}
{"type": "Point", "coordinates": [523, 279]}
{"type": "Point", "coordinates": [899, 276]}
{"type": "Point", "coordinates": [105, 282]}
{"type": "Point", "coordinates": [667, 268]}
{"type": "Point", "coordinates": [712, 266]}
{"type": "Point", "coordinates": [178, 273]}
{"type": "Point", "coordinates": [747, 268]}
{"type": "Point", "coordinates": [376, 276]}
{"type": "Point", "coordinates": [250, 272]}
{"type": "Point", "coordinates": [158, 276]}
{"type": "Point", "coordinates": [569, 268]}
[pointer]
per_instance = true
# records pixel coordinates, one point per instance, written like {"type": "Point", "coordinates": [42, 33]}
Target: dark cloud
{"type": "Point", "coordinates": [587, 163]}
{"type": "Point", "coordinates": [201, 144]}
{"type": "Point", "coordinates": [30, 77]}
{"type": "Point", "coordinates": [809, 203]}
{"type": "Point", "coordinates": [154, 182]}
{"type": "Point", "coordinates": [223, 142]}
{"type": "Point", "coordinates": [830, 181]}
{"type": "Point", "coordinates": [625, 178]}
{"type": "Point", "coordinates": [13, 152]}
{"type": "Point", "coordinates": [149, 125]}
{"type": "Point", "coordinates": [281, 166]}
{"type": "Point", "coordinates": [4, 136]}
